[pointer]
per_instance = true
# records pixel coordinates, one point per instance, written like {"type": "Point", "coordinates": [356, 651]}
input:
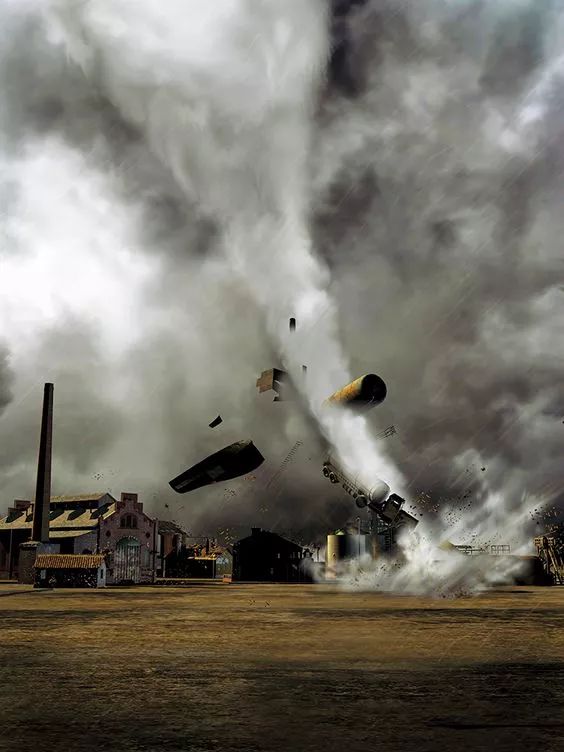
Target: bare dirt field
{"type": "Point", "coordinates": [280, 667]}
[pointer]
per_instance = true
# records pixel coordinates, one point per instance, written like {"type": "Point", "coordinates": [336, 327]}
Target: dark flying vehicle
{"type": "Point", "coordinates": [235, 460]}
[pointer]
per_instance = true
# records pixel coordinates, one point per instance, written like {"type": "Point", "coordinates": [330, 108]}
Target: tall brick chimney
{"type": "Point", "coordinates": [43, 488]}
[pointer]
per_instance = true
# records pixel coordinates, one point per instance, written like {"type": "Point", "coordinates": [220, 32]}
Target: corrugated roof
{"type": "Point", "coordinates": [18, 521]}
{"type": "Point", "coordinates": [68, 533]}
{"type": "Point", "coordinates": [81, 497]}
{"type": "Point", "coordinates": [65, 519]}
{"type": "Point", "coordinates": [68, 561]}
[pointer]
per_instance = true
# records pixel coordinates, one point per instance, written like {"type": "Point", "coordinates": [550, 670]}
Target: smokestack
{"type": "Point", "coordinates": [43, 488]}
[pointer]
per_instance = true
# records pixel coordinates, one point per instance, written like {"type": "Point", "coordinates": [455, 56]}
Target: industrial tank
{"type": "Point", "coordinates": [342, 546]}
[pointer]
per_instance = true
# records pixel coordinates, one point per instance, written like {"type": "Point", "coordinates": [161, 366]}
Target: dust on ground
{"type": "Point", "coordinates": [280, 667]}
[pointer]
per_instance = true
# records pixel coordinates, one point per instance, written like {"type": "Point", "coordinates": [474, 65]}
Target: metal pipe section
{"type": "Point", "coordinates": [363, 393]}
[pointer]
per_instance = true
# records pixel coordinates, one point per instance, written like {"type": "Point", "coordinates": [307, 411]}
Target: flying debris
{"type": "Point", "coordinates": [363, 393]}
{"type": "Point", "coordinates": [216, 421]}
{"type": "Point", "coordinates": [273, 379]}
{"type": "Point", "coordinates": [292, 324]}
{"type": "Point", "coordinates": [374, 497]}
{"type": "Point", "coordinates": [289, 457]}
{"type": "Point", "coordinates": [389, 431]}
{"type": "Point", "coordinates": [231, 462]}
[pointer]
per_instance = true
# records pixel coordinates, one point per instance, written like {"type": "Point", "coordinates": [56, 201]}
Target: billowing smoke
{"type": "Point", "coordinates": [227, 105]}
{"type": "Point", "coordinates": [134, 263]}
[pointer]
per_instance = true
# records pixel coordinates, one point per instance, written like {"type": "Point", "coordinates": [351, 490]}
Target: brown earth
{"type": "Point", "coordinates": [280, 667]}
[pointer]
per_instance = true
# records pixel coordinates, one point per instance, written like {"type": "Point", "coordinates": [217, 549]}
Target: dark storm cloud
{"type": "Point", "coordinates": [445, 240]}
{"type": "Point", "coordinates": [85, 423]}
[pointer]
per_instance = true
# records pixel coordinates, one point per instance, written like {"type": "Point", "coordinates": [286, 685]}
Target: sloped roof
{"type": "Point", "coordinates": [81, 497]}
{"type": "Point", "coordinates": [266, 536]}
{"type": "Point", "coordinates": [166, 526]}
{"type": "Point", "coordinates": [69, 561]}
{"type": "Point", "coordinates": [60, 519]}
{"type": "Point", "coordinates": [16, 521]}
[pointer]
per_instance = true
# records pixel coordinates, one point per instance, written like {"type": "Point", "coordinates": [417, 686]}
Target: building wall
{"type": "Point", "coordinates": [266, 557]}
{"type": "Point", "coordinates": [18, 537]}
{"type": "Point", "coordinates": [86, 543]}
{"type": "Point", "coordinates": [71, 578]}
{"type": "Point", "coordinates": [130, 510]}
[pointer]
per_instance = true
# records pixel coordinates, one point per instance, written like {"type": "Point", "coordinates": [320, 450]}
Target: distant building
{"type": "Point", "coordinates": [88, 524]}
{"type": "Point", "coordinates": [199, 558]}
{"type": "Point", "coordinates": [267, 557]}
{"type": "Point", "coordinates": [70, 570]}
{"type": "Point", "coordinates": [171, 539]}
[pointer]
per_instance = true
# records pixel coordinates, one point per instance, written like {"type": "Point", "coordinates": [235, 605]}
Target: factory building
{"type": "Point", "coordinates": [267, 557]}
{"type": "Point", "coordinates": [88, 524]}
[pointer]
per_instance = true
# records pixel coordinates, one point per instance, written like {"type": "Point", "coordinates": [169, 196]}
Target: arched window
{"type": "Point", "coordinates": [129, 521]}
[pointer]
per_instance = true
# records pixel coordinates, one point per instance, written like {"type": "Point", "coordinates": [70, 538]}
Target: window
{"type": "Point", "coordinates": [129, 521]}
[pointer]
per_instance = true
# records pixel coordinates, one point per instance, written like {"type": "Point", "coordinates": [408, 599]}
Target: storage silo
{"type": "Point", "coordinates": [344, 546]}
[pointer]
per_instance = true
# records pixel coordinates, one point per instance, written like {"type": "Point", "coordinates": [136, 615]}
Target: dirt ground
{"type": "Point", "coordinates": [280, 667]}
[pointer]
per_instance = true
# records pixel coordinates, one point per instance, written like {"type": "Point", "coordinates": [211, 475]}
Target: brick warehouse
{"type": "Point", "coordinates": [87, 524]}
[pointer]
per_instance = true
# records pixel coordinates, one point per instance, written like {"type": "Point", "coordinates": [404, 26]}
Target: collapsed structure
{"type": "Point", "coordinates": [550, 550]}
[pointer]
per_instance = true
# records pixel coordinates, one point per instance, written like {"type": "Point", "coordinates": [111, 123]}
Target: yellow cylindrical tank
{"type": "Point", "coordinates": [344, 547]}
{"type": "Point", "coordinates": [365, 392]}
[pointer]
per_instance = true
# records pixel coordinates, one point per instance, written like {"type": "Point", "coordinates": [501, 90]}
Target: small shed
{"type": "Point", "coordinates": [70, 570]}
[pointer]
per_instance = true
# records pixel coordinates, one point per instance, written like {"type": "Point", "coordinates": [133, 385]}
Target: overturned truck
{"type": "Point", "coordinates": [388, 508]}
